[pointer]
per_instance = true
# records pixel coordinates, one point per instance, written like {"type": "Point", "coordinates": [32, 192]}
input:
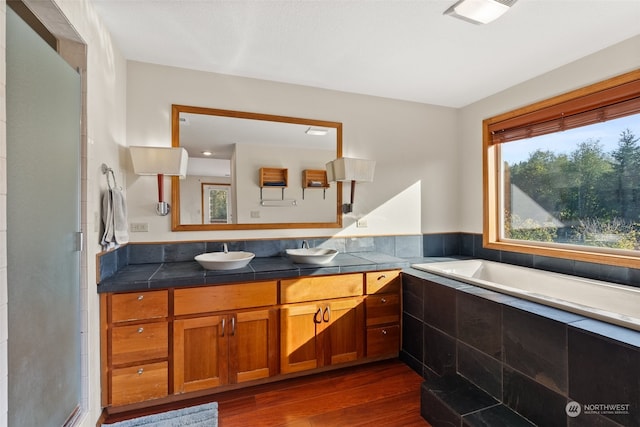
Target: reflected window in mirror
{"type": "Point", "coordinates": [216, 200]}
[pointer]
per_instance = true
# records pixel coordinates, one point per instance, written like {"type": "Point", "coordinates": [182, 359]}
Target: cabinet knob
{"type": "Point", "coordinates": [384, 332]}
{"type": "Point", "coordinates": [383, 300]}
{"type": "Point", "coordinates": [140, 371]}
{"type": "Point", "coordinates": [140, 330]}
{"type": "Point", "coordinates": [140, 297]}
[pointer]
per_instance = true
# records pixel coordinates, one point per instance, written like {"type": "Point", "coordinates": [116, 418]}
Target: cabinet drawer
{"type": "Point", "coordinates": [319, 288]}
{"type": "Point", "coordinates": [383, 341]}
{"type": "Point", "coordinates": [383, 308]}
{"type": "Point", "coordinates": [137, 343]}
{"type": "Point", "coordinates": [383, 281]}
{"type": "Point", "coordinates": [224, 297]}
{"type": "Point", "coordinates": [139, 383]}
{"type": "Point", "coordinates": [139, 306]}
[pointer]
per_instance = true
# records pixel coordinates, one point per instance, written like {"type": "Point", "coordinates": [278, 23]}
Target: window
{"type": "Point", "coordinates": [562, 176]}
{"type": "Point", "coordinates": [216, 204]}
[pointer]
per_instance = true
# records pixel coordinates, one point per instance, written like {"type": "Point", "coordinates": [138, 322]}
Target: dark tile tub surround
{"type": "Point", "coordinates": [470, 245]}
{"type": "Point", "coordinates": [530, 358]}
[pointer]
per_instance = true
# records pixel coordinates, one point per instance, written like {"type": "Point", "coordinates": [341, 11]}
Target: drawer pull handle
{"type": "Point", "coordinates": [316, 318]}
{"type": "Point", "coordinates": [383, 300]}
{"type": "Point", "coordinates": [326, 316]}
{"type": "Point", "coordinates": [140, 371]}
{"type": "Point", "coordinates": [224, 324]}
{"type": "Point", "coordinates": [384, 332]}
{"type": "Point", "coordinates": [140, 330]}
{"type": "Point", "coordinates": [140, 297]}
{"type": "Point", "coordinates": [233, 326]}
{"type": "Point", "coordinates": [382, 276]}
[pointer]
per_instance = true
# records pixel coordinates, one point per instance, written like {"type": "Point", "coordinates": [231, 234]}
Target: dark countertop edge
{"type": "Point", "coordinates": [189, 273]}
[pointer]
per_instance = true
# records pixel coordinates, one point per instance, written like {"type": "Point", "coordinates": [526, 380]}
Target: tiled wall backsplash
{"type": "Point", "coordinates": [410, 247]}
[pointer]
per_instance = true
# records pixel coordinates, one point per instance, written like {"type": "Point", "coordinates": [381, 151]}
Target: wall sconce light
{"type": "Point", "coordinates": [160, 161]}
{"type": "Point", "coordinates": [349, 169]}
{"type": "Point", "coordinates": [479, 11]}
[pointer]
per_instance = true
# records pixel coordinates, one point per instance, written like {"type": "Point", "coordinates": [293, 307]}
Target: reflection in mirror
{"type": "Point", "coordinates": [254, 171]}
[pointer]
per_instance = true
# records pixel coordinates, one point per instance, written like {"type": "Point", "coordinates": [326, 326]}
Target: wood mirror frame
{"type": "Point", "coordinates": [176, 225]}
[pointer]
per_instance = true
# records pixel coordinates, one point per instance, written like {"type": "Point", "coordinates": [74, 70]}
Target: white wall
{"type": "Point", "coordinates": [615, 60]}
{"type": "Point", "coordinates": [314, 208]}
{"type": "Point", "coordinates": [414, 145]}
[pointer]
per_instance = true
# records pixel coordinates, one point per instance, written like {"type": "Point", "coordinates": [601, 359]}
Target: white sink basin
{"type": "Point", "coordinates": [224, 260]}
{"type": "Point", "coordinates": [311, 255]}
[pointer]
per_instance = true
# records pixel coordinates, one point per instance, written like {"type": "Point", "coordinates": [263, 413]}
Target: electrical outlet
{"type": "Point", "coordinates": [139, 227]}
{"type": "Point", "coordinates": [362, 223]}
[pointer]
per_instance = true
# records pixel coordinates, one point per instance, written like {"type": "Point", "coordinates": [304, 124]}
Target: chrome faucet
{"type": "Point", "coordinates": [305, 244]}
{"type": "Point", "coordinates": [225, 248]}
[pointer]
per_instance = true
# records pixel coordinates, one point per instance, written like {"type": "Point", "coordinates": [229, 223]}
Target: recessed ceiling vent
{"type": "Point", "coordinates": [479, 11]}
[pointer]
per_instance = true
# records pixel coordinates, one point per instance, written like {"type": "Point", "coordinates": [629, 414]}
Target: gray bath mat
{"type": "Point", "coordinates": [195, 416]}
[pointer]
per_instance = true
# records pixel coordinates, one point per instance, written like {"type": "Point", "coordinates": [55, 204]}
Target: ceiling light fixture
{"type": "Point", "coordinates": [207, 153]}
{"type": "Point", "coordinates": [316, 131]}
{"type": "Point", "coordinates": [479, 11]}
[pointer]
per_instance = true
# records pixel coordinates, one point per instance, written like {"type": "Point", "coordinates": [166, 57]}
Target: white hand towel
{"type": "Point", "coordinates": [107, 218]}
{"type": "Point", "coordinates": [120, 225]}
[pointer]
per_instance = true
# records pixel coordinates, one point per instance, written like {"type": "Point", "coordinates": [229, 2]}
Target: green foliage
{"type": "Point", "coordinates": [218, 206]}
{"type": "Point", "coordinates": [615, 233]}
{"type": "Point", "coordinates": [528, 229]}
{"type": "Point", "coordinates": [594, 193]}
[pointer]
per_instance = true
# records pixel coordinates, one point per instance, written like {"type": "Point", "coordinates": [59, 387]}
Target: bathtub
{"type": "Point", "coordinates": [609, 302]}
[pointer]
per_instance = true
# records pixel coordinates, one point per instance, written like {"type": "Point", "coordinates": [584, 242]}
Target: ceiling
{"type": "Point", "coordinates": [401, 49]}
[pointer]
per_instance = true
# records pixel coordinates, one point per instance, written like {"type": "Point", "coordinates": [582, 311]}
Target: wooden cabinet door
{"type": "Point", "coordinates": [253, 344]}
{"type": "Point", "coordinates": [299, 348]}
{"type": "Point", "coordinates": [343, 332]}
{"type": "Point", "coordinates": [322, 333]}
{"type": "Point", "coordinates": [200, 353]}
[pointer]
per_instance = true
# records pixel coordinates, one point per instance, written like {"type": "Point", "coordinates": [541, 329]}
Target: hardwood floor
{"type": "Point", "coordinates": [385, 394]}
{"type": "Point", "coordinates": [382, 394]}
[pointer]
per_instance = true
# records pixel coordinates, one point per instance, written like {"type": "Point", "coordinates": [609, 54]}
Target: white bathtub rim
{"type": "Point", "coordinates": [583, 310]}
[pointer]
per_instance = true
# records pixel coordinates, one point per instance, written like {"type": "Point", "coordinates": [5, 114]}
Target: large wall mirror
{"type": "Point", "coordinates": [254, 171]}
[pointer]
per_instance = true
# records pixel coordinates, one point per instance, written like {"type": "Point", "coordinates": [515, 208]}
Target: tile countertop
{"type": "Point", "coordinates": [137, 277]}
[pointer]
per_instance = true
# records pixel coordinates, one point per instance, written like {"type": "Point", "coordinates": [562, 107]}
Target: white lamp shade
{"type": "Point", "coordinates": [350, 169]}
{"type": "Point", "coordinates": [171, 161]}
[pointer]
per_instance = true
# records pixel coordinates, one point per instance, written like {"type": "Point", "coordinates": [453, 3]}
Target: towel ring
{"type": "Point", "coordinates": [106, 170]}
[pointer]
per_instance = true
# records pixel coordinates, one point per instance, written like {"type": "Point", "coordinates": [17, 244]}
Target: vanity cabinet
{"type": "Point", "coordinates": [321, 321]}
{"type": "Point", "coordinates": [224, 334]}
{"type": "Point", "coordinates": [383, 309]}
{"type": "Point", "coordinates": [159, 344]}
{"type": "Point", "coordinates": [136, 348]}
